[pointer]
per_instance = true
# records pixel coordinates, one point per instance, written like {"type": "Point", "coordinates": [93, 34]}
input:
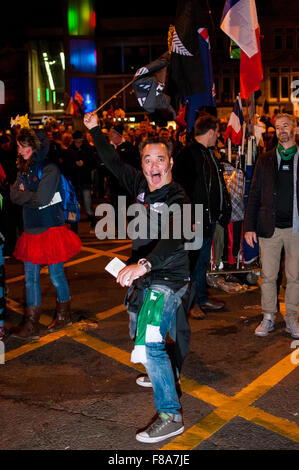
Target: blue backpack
{"type": "Point", "coordinates": [71, 206]}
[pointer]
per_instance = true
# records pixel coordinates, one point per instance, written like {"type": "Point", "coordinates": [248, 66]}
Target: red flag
{"type": "Point", "coordinates": [251, 71]}
{"type": "Point", "coordinates": [240, 22]}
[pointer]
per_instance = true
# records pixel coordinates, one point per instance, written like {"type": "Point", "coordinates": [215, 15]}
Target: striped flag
{"type": "Point", "coordinates": [234, 127]}
{"type": "Point", "coordinates": [239, 21]}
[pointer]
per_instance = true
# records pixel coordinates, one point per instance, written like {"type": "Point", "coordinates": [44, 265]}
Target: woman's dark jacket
{"type": "Point", "coordinates": [38, 192]}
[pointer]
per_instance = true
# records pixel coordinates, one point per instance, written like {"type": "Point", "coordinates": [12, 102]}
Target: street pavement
{"type": "Point", "coordinates": [76, 389]}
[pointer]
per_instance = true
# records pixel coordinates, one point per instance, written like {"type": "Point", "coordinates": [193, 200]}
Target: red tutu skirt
{"type": "Point", "coordinates": [55, 245]}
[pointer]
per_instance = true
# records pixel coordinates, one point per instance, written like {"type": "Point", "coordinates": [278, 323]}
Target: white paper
{"type": "Point", "coordinates": [115, 266]}
{"type": "Point", "coordinates": [56, 199]}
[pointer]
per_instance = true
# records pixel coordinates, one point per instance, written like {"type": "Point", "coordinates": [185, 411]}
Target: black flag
{"type": "Point", "coordinates": [186, 73]}
{"type": "Point", "coordinates": [149, 84]}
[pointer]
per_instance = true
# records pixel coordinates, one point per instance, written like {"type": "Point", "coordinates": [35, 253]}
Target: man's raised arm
{"type": "Point", "coordinates": [127, 175]}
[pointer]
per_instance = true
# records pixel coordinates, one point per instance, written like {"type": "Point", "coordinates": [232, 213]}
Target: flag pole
{"type": "Point", "coordinates": [229, 143]}
{"type": "Point", "coordinates": [114, 96]}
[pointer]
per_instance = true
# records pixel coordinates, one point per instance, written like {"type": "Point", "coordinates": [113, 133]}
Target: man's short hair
{"type": "Point", "coordinates": [291, 117]}
{"type": "Point", "coordinates": [204, 123]}
{"type": "Point", "coordinates": [155, 139]}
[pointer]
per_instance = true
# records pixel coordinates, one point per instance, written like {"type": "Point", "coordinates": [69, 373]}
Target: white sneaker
{"type": "Point", "coordinates": [292, 327]}
{"type": "Point", "coordinates": [144, 381]}
{"type": "Point", "coordinates": [264, 328]}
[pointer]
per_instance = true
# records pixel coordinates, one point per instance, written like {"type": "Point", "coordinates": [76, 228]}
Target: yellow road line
{"type": "Point", "coordinates": [33, 345]}
{"type": "Point", "coordinates": [281, 426]}
{"type": "Point", "coordinates": [45, 320]}
{"type": "Point", "coordinates": [97, 254]}
{"type": "Point", "coordinates": [108, 350]}
{"type": "Point", "coordinates": [227, 407]}
{"type": "Point", "coordinates": [233, 407]}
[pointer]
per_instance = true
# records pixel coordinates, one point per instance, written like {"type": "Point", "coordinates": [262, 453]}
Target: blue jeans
{"type": "Point", "coordinates": [198, 277]}
{"type": "Point", "coordinates": [158, 365]}
{"type": "Point", "coordinates": [32, 281]}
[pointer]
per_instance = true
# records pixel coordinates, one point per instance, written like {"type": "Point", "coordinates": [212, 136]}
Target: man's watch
{"type": "Point", "coordinates": [144, 262]}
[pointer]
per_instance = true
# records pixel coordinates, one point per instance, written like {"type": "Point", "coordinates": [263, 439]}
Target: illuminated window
{"type": "Point", "coordinates": [81, 17]}
{"type": "Point", "coordinates": [87, 88]}
{"type": "Point", "coordinates": [83, 56]}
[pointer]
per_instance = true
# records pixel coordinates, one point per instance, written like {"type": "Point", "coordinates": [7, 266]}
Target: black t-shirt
{"type": "Point", "coordinates": [285, 194]}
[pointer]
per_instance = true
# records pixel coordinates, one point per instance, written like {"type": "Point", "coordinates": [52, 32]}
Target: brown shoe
{"type": "Point", "coordinates": [29, 329]}
{"type": "Point", "coordinates": [62, 318]}
{"type": "Point", "coordinates": [196, 312]}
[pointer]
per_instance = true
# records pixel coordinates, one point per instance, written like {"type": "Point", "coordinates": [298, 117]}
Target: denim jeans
{"type": "Point", "coordinates": [198, 276]}
{"type": "Point", "coordinates": [32, 281]}
{"type": "Point", "coordinates": [158, 365]}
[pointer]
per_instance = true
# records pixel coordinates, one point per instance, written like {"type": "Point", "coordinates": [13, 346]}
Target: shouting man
{"type": "Point", "coordinates": [157, 276]}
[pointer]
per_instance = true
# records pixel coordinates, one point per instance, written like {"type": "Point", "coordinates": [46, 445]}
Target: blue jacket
{"type": "Point", "coordinates": [38, 215]}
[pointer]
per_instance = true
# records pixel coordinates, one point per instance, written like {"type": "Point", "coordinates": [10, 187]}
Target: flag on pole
{"type": "Point", "coordinates": [239, 21]}
{"type": "Point", "coordinates": [235, 123]}
{"type": "Point", "coordinates": [186, 69]}
{"type": "Point", "coordinates": [149, 83]}
{"type": "Point", "coordinates": [208, 97]}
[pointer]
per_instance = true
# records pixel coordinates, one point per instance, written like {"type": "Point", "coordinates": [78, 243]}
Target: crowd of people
{"type": "Point", "coordinates": [157, 167]}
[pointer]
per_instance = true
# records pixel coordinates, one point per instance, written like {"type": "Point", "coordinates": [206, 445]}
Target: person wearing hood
{"type": "Point", "coordinates": [46, 240]}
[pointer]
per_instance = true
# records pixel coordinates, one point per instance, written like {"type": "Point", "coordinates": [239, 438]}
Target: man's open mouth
{"type": "Point", "coordinates": [156, 178]}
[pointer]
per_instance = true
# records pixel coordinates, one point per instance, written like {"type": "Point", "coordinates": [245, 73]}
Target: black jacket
{"type": "Point", "coordinates": [261, 206]}
{"type": "Point", "coordinates": [200, 174]}
{"type": "Point", "coordinates": [168, 257]}
{"type": "Point", "coordinates": [39, 192]}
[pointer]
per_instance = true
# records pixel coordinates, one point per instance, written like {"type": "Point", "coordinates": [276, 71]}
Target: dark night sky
{"type": "Point", "coordinates": [19, 17]}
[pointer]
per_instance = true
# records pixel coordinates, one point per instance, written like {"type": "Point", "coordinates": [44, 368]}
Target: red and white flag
{"type": "Point", "coordinates": [239, 21]}
{"type": "Point", "coordinates": [235, 123]}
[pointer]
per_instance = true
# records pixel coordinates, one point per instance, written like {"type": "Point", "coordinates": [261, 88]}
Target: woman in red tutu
{"type": "Point", "coordinates": [46, 239]}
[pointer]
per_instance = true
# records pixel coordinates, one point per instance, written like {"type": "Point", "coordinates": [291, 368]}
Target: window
{"type": "Point", "coordinates": [112, 60]}
{"type": "Point", "coordinates": [135, 57]}
{"type": "Point", "coordinates": [274, 87]}
{"type": "Point", "coordinates": [278, 42]}
{"type": "Point", "coordinates": [285, 91]}
{"type": "Point", "coordinates": [87, 88]}
{"type": "Point", "coordinates": [289, 42]}
{"type": "Point", "coordinates": [83, 56]}
{"type": "Point", "coordinates": [46, 76]}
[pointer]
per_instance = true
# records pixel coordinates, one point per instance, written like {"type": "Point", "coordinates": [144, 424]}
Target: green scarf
{"type": "Point", "coordinates": [148, 325]}
{"type": "Point", "coordinates": [287, 154]}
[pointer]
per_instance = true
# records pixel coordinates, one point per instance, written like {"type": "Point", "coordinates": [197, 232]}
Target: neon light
{"type": "Point", "coordinates": [83, 56]}
{"type": "Point", "coordinates": [38, 95]}
{"type": "Point", "coordinates": [73, 21]}
{"type": "Point", "coordinates": [50, 78]}
{"type": "Point", "coordinates": [54, 97]}
{"type": "Point", "coordinates": [81, 17]}
{"type": "Point", "coordinates": [62, 58]}
{"type": "Point", "coordinates": [47, 95]}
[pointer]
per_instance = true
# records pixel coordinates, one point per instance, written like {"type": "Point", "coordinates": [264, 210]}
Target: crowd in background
{"type": "Point", "coordinates": [74, 153]}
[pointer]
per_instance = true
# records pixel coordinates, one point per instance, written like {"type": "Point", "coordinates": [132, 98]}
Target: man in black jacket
{"type": "Point", "coordinates": [197, 170]}
{"type": "Point", "coordinates": [157, 274]}
{"type": "Point", "coordinates": [272, 218]}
